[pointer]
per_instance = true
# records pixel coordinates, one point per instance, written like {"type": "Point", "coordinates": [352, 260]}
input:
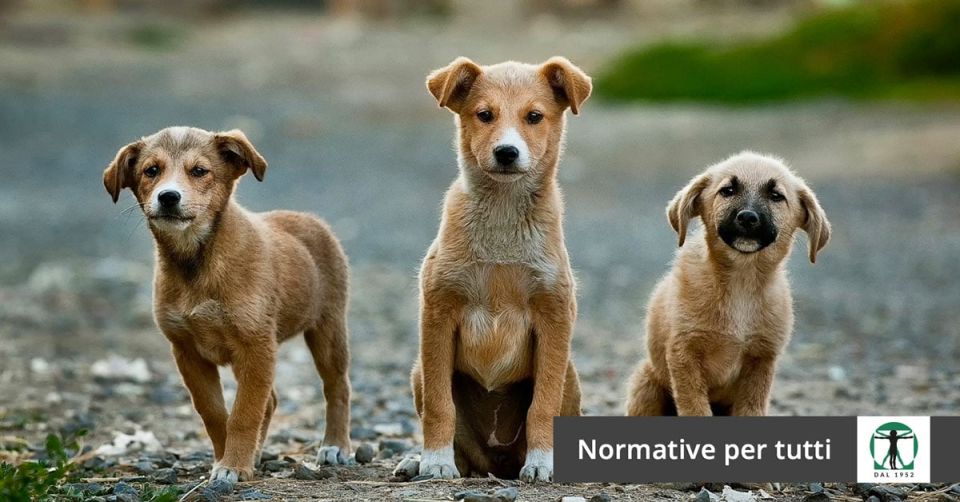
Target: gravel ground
{"type": "Point", "coordinates": [351, 134]}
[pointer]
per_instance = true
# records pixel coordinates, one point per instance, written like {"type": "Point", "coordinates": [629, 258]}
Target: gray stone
{"type": "Point", "coordinates": [275, 465]}
{"type": "Point", "coordinates": [364, 454]}
{"type": "Point", "coordinates": [166, 476]}
{"type": "Point", "coordinates": [215, 490]}
{"type": "Point", "coordinates": [305, 473]}
{"type": "Point", "coordinates": [601, 497]}
{"type": "Point", "coordinates": [508, 494]}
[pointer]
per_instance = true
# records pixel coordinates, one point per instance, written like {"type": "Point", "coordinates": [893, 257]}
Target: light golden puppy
{"type": "Point", "coordinates": [497, 303]}
{"type": "Point", "coordinates": [718, 321]}
{"type": "Point", "coordinates": [230, 285]}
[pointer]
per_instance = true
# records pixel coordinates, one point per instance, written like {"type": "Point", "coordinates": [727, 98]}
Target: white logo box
{"type": "Point", "coordinates": [866, 471]}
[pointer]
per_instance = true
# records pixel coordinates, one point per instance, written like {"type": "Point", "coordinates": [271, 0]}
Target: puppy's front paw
{"type": "Point", "coordinates": [439, 464]}
{"type": "Point", "coordinates": [332, 455]}
{"type": "Point", "coordinates": [230, 474]}
{"type": "Point", "coordinates": [538, 467]}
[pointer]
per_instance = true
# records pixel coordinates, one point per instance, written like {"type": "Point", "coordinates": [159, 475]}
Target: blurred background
{"type": "Point", "coordinates": [862, 98]}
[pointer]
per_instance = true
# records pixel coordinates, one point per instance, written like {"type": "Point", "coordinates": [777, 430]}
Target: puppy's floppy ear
{"type": "Point", "coordinates": [570, 84]}
{"type": "Point", "coordinates": [451, 84]}
{"type": "Point", "coordinates": [236, 149]}
{"type": "Point", "coordinates": [119, 174]}
{"type": "Point", "coordinates": [815, 222]}
{"type": "Point", "coordinates": [686, 205]}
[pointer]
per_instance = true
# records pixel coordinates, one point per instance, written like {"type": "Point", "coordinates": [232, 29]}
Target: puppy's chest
{"type": "Point", "coordinates": [495, 342]}
{"type": "Point", "coordinates": [208, 325]}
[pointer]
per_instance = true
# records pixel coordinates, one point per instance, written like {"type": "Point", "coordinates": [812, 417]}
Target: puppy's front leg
{"type": "Point", "coordinates": [753, 387]}
{"type": "Point", "coordinates": [687, 375]}
{"type": "Point", "coordinates": [553, 318]}
{"type": "Point", "coordinates": [203, 382]}
{"type": "Point", "coordinates": [439, 417]}
{"type": "Point", "coordinates": [254, 370]}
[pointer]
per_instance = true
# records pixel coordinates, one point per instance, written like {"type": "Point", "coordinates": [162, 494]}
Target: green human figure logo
{"type": "Point", "coordinates": [893, 447]}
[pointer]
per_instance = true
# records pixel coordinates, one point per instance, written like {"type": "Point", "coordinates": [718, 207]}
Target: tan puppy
{"type": "Point", "coordinates": [497, 304]}
{"type": "Point", "coordinates": [718, 321]}
{"type": "Point", "coordinates": [230, 285]}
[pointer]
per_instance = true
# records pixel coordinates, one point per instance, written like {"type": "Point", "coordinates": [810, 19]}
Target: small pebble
{"type": "Point", "coordinates": [817, 497]}
{"type": "Point", "coordinates": [125, 492]}
{"type": "Point", "coordinates": [601, 497]}
{"type": "Point", "coordinates": [215, 490]}
{"type": "Point", "coordinates": [573, 499]}
{"type": "Point", "coordinates": [305, 473]}
{"type": "Point", "coordinates": [704, 495]}
{"type": "Point", "coordinates": [407, 469]}
{"type": "Point", "coordinates": [364, 454]}
{"type": "Point", "coordinates": [274, 465]}
{"type": "Point", "coordinates": [166, 476]}
{"type": "Point", "coordinates": [508, 494]}
{"type": "Point", "coordinates": [385, 454]}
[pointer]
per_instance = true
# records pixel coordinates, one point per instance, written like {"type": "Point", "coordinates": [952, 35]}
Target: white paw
{"type": "Point", "coordinates": [332, 455]}
{"type": "Point", "coordinates": [221, 473]}
{"type": "Point", "coordinates": [439, 464]}
{"type": "Point", "coordinates": [538, 467]}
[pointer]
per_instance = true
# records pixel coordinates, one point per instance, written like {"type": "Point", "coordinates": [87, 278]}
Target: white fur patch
{"type": "Point", "coordinates": [539, 466]}
{"type": "Point", "coordinates": [178, 133]}
{"type": "Point", "coordinates": [512, 137]}
{"type": "Point", "coordinates": [439, 463]}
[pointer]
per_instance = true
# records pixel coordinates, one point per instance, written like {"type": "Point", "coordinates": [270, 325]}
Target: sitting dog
{"type": "Point", "coordinates": [497, 304]}
{"type": "Point", "coordinates": [230, 285]}
{"type": "Point", "coordinates": [718, 321]}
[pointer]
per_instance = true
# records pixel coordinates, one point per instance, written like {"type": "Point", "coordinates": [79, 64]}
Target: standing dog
{"type": "Point", "coordinates": [497, 304]}
{"type": "Point", "coordinates": [718, 321]}
{"type": "Point", "coordinates": [230, 285]}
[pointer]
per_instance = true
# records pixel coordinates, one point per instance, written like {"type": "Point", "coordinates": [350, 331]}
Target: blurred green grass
{"type": "Point", "coordinates": [898, 50]}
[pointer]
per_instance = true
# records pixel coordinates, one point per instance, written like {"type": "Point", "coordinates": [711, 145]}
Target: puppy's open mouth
{"type": "Point", "coordinates": [746, 245]}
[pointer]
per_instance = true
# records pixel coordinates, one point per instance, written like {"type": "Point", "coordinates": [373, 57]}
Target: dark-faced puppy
{"type": "Point", "coordinates": [718, 321]}
{"type": "Point", "coordinates": [230, 285]}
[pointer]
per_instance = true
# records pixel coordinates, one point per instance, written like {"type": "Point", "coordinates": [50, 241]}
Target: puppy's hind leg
{"type": "Point", "coordinates": [331, 355]}
{"type": "Point", "coordinates": [646, 397]}
{"type": "Point", "coordinates": [265, 425]}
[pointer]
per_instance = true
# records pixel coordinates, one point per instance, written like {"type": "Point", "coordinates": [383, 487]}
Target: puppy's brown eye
{"type": "Point", "coordinates": [151, 172]}
{"type": "Point", "coordinates": [485, 116]}
{"type": "Point", "coordinates": [728, 191]}
{"type": "Point", "coordinates": [198, 172]}
{"type": "Point", "coordinates": [777, 197]}
{"type": "Point", "coordinates": [534, 117]}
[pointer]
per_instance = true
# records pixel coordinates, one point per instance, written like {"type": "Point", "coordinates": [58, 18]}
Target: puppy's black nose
{"type": "Point", "coordinates": [506, 154]}
{"type": "Point", "coordinates": [169, 198]}
{"type": "Point", "coordinates": [748, 218]}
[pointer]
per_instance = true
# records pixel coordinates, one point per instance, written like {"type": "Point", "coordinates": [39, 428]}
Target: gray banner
{"type": "Point", "coordinates": [945, 449]}
{"type": "Point", "coordinates": [666, 449]}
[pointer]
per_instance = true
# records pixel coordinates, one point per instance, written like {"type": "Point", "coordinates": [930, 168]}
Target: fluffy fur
{"type": "Point", "coordinates": [497, 304]}
{"type": "Point", "coordinates": [720, 318]}
{"type": "Point", "coordinates": [231, 285]}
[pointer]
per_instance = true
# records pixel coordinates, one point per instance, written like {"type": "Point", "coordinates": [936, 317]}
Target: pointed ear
{"type": "Point", "coordinates": [815, 222]}
{"type": "Point", "coordinates": [571, 86]}
{"type": "Point", "coordinates": [236, 149]}
{"type": "Point", "coordinates": [119, 174]}
{"type": "Point", "coordinates": [451, 84]}
{"type": "Point", "coordinates": [686, 205]}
